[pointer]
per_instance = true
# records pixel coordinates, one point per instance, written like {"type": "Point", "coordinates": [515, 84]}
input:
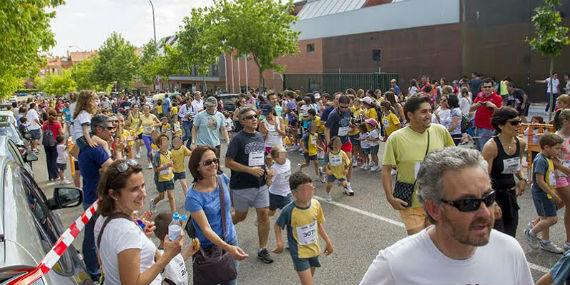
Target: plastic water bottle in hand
{"type": "Point", "coordinates": [174, 229]}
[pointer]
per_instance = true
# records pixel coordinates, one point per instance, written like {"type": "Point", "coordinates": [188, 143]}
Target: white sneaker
{"type": "Point", "coordinates": [550, 247]}
{"type": "Point", "coordinates": [365, 166]}
{"type": "Point", "coordinates": [328, 197]}
{"type": "Point", "coordinates": [149, 166]}
{"type": "Point", "coordinates": [354, 163]}
{"type": "Point", "coordinates": [138, 155]}
{"type": "Point", "coordinates": [393, 172]}
{"type": "Point", "coordinates": [374, 168]}
{"type": "Point", "coordinates": [348, 190]}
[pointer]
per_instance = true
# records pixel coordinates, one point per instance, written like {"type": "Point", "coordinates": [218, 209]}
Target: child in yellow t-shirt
{"type": "Point", "coordinates": [164, 126]}
{"type": "Point", "coordinates": [389, 119]}
{"type": "Point", "coordinates": [310, 148]}
{"type": "Point", "coordinates": [176, 128]}
{"type": "Point", "coordinates": [179, 152]}
{"type": "Point", "coordinates": [164, 176]}
{"type": "Point", "coordinates": [337, 168]}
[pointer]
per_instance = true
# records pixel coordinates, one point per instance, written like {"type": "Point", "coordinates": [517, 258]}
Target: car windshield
{"type": "Point", "coordinates": [9, 131]}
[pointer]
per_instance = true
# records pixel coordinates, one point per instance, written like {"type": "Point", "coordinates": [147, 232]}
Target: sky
{"type": "Point", "coordinates": [81, 25]}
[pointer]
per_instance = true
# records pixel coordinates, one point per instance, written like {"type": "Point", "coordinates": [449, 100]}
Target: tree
{"type": "Point", "coordinates": [57, 84]}
{"type": "Point", "coordinates": [260, 28]}
{"type": "Point", "coordinates": [117, 62]}
{"type": "Point", "coordinates": [551, 36]}
{"type": "Point", "coordinates": [151, 63]}
{"type": "Point", "coordinates": [82, 74]}
{"type": "Point", "coordinates": [25, 32]}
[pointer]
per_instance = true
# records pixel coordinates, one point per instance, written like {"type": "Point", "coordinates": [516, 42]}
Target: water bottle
{"type": "Point", "coordinates": [174, 229]}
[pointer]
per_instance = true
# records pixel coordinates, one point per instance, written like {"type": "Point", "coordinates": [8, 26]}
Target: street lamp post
{"type": "Point", "coordinates": [153, 22]}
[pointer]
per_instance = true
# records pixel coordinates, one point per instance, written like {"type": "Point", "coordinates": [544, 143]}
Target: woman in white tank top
{"type": "Point", "coordinates": [272, 129]}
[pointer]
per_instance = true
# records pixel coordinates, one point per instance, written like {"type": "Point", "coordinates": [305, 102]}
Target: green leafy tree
{"type": "Point", "coordinates": [151, 63]}
{"type": "Point", "coordinates": [259, 28]}
{"type": "Point", "coordinates": [551, 36]}
{"type": "Point", "coordinates": [82, 74]}
{"type": "Point", "coordinates": [117, 63]}
{"type": "Point", "coordinates": [57, 84]}
{"type": "Point", "coordinates": [25, 26]}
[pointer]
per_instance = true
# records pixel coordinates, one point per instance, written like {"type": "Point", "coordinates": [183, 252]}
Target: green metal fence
{"type": "Point", "coordinates": [332, 82]}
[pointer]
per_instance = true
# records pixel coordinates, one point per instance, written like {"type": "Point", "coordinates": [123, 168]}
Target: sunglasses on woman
{"type": "Point", "coordinates": [472, 204]}
{"type": "Point", "coordinates": [515, 122]}
{"type": "Point", "coordinates": [209, 162]}
{"type": "Point", "coordinates": [124, 165]}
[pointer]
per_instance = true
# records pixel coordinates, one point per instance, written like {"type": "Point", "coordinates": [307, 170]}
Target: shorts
{"type": "Point", "coordinates": [139, 136]}
{"type": "Point", "coordinates": [309, 158]}
{"type": "Point", "coordinates": [243, 199]}
{"type": "Point", "coordinates": [562, 182]}
{"type": "Point", "coordinates": [354, 139]}
{"type": "Point", "coordinates": [544, 207]}
{"type": "Point", "coordinates": [162, 186]}
{"type": "Point", "coordinates": [374, 149]}
{"type": "Point", "coordinates": [302, 264]}
{"type": "Point", "coordinates": [347, 147]}
{"type": "Point", "coordinates": [413, 218]}
{"type": "Point", "coordinates": [366, 150]}
{"type": "Point", "coordinates": [179, 176]}
{"type": "Point", "coordinates": [278, 201]}
{"type": "Point", "coordinates": [61, 166]}
{"type": "Point", "coordinates": [332, 178]}
{"type": "Point", "coordinates": [35, 134]}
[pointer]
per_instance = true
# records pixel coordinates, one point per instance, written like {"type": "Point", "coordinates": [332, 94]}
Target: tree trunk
{"type": "Point", "coordinates": [261, 79]}
{"type": "Point", "coordinates": [551, 97]}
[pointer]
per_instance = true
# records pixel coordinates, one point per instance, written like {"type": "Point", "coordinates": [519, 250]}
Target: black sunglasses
{"type": "Point", "coordinates": [124, 166]}
{"type": "Point", "coordinates": [472, 204]}
{"type": "Point", "coordinates": [250, 117]}
{"type": "Point", "coordinates": [515, 122]}
{"type": "Point", "coordinates": [343, 107]}
{"type": "Point", "coordinates": [211, 161]}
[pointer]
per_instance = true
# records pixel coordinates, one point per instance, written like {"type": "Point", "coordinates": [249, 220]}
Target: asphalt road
{"type": "Point", "coordinates": [359, 227]}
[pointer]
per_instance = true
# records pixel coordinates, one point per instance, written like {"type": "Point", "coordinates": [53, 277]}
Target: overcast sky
{"type": "Point", "coordinates": [85, 24]}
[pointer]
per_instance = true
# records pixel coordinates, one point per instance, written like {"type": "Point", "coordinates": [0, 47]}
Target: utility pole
{"type": "Point", "coordinates": [153, 21]}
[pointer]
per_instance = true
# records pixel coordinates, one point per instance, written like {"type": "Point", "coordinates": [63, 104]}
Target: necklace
{"type": "Point", "coordinates": [508, 145]}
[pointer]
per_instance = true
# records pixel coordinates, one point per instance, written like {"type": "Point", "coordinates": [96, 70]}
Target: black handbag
{"type": "Point", "coordinates": [405, 191]}
{"type": "Point", "coordinates": [214, 265]}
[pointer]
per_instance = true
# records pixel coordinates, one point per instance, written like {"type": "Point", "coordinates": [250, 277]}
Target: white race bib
{"type": "Point", "coordinates": [307, 234]}
{"type": "Point", "coordinates": [335, 160]}
{"type": "Point", "coordinates": [552, 179]}
{"type": "Point", "coordinates": [256, 158]}
{"type": "Point", "coordinates": [511, 165]}
{"type": "Point", "coordinates": [165, 171]}
{"type": "Point", "coordinates": [343, 131]}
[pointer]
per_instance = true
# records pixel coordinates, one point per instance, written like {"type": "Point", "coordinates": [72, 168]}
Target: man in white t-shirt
{"type": "Point", "coordinates": [34, 126]}
{"type": "Point", "coordinates": [552, 87]}
{"type": "Point", "coordinates": [461, 246]}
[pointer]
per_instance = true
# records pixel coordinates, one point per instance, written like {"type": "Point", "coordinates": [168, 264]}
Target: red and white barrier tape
{"type": "Point", "coordinates": [58, 248]}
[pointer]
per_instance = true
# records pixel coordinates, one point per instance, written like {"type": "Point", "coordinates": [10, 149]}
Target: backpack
{"type": "Point", "coordinates": [48, 138]}
{"type": "Point", "coordinates": [465, 123]}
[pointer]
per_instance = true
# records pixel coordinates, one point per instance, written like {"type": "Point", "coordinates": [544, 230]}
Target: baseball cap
{"type": "Point", "coordinates": [367, 100]}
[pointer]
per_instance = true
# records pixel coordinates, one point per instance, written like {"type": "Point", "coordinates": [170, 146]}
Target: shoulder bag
{"type": "Point", "coordinates": [405, 191]}
{"type": "Point", "coordinates": [214, 265]}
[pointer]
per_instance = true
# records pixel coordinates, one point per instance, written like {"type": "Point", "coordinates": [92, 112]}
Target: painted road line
{"type": "Point", "coordinates": [401, 225]}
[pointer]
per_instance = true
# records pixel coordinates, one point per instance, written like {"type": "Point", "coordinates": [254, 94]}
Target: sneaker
{"type": "Point", "coordinates": [348, 191]}
{"type": "Point", "coordinates": [550, 247]}
{"type": "Point", "coordinates": [393, 172]}
{"type": "Point", "coordinates": [533, 240]}
{"type": "Point", "coordinates": [65, 181]}
{"type": "Point", "coordinates": [322, 175]}
{"type": "Point", "coordinates": [355, 163]}
{"type": "Point", "coordinates": [264, 256]}
{"type": "Point", "coordinates": [152, 207]}
{"type": "Point", "coordinates": [566, 246]}
{"type": "Point", "coordinates": [149, 166]}
{"type": "Point", "coordinates": [529, 226]}
{"type": "Point", "coordinates": [138, 155]}
{"type": "Point", "coordinates": [328, 198]}
{"type": "Point", "coordinates": [374, 168]}
{"type": "Point", "coordinates": [365, 166]}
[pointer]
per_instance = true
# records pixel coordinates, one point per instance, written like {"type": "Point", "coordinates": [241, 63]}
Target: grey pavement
{"type": "Point", "coordinates": [359, 227]}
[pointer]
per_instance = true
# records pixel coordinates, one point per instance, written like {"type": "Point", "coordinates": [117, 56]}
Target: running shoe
{"type": "Point", "coordinates": [322, 175]}
{"type": "Point", "coordinates": [138, 155]}
{"type": "Point", "coordinates": [533, 240]}
{"type": "Point", "coordinates": [149, 166]}
{"type": "Point", "coordinates": [348, 190]}
{"type": "Point", "coordinates": [393, 172]}
{"type": "Point", "coordinates": [264, 256]}
{"type": "Point", "coordinates": [374, 168]}
{"type": "Point", "coordinates": [328, 197]}
{"type": "Point", "coordinates": [365, 166]}
{"type": "Point", "coordinates": [65, 181]}
{"type": "Point", "coordinates": [550, 247]}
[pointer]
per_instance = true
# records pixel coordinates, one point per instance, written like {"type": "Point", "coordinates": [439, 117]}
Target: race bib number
{"type": "Point", "coordinates": [165, 171]}
{"type": "Point", "coordinates": [335, 160]}
{"type": "Point", "coordinates": [147, 129]}
{"type": "Point", "coordinates": [511, 165]}
{"type": "Point", "coordinates": [385, 122]}
{"type": "Point", "coordinates": [343, 131]}
{"type": "Point", "coordinates": [552, 179]}
{"type": "Point", "coordinates": [314, 140]}
{"type": "Point", "coordinates": [256, 158]}
{"type": "Point", "coordinates": [307, 234]}
{"type": "Point", "coordinates": [417, 169]}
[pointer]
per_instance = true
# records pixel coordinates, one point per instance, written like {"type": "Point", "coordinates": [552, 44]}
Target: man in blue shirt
{"type": "Point", "coordinates": [208, 125]}
{"type": "Point", "coordinates": [92, 162]}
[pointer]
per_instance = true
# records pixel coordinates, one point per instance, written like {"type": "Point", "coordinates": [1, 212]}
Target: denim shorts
{"type": "Point", "coordinates": [61, 166]}
{"type": "Point", "coordinates": [332, 178]}
{"type": "Point", "coordinates": [162, 186]}
{"type": "Point", "coordinates": [302, 264]}
{"type": "Point", "coordinates": [278, 201]}
{"type": "Point", "coordinates": [544, 206]}
{"type": "Point", "coordinates": [374, 149]}
{"type": "Point", "coordinates": [179, 176]}
{"type": "Point", "coordinates": [309, 157]}
{"type": "Point", "coordinates": [366, 150]}
{"type": "Point", "coordinates": [36, 134]}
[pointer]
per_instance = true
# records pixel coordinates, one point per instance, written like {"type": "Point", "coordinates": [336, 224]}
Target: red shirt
{"type": "Point", "coordinates": [484, 113]}
{"type": "Point", "coordinates": [55, 127]}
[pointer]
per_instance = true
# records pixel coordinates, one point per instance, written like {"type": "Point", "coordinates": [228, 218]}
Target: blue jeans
{"type": "Point", "coordinates": [548, 101]}
{"type": "Point", "coordinates": [90, 249]}
{"type": "Point", "coordinates": [187, 127]}
{"type": "Point", "coordinates": [483, 136]}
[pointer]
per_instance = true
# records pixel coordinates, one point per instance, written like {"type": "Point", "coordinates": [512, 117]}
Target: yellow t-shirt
{"type": "Point", "coordinates": [320, 125]}
{"type": "Point", "coordinates": [391, 123]}
{"type": "Point", "coordinates": [356, 113]}
{"type": "Point", "coordinates": [158, 109]}
{"type": "Point", "coordinates": [371, 113]}
{"type": "Point", "coordinates": [135, 123]}
{"type": "Point", "coordinates": [178, 156]}
{"type": "Point", "coordinates": [174, 110]}
{"type": "Point", "coordinates": [126, 137]}
{"type": "Point", "coordinates": [148, 123]}
{"type": "Point", "coordinates": [312, 144]}
{"type": "Point", "coordinates": [337, 163]}
{"type": "Point", "coordinates": [406, 149]}
{"type": "Point", "coordinates": [165, 174]}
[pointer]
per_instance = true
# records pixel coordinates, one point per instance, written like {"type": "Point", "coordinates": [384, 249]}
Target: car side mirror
{"type": "Point", "coordinates": [31, 157]}
{"type": "Point", "coordinates": [65, 197]}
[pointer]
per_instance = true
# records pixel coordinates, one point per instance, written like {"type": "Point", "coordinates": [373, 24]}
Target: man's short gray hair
{"type": "Point", "coordinates": [98, 121]}
{"type": "Point", "coordinates": [437, 163]}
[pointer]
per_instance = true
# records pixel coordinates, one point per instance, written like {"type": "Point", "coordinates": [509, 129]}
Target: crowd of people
{"type": "Point", "coordinates": [451, 166]}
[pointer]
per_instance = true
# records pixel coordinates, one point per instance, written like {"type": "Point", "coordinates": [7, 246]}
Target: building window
{"type": "Point", "coordinates": [310, 48]}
